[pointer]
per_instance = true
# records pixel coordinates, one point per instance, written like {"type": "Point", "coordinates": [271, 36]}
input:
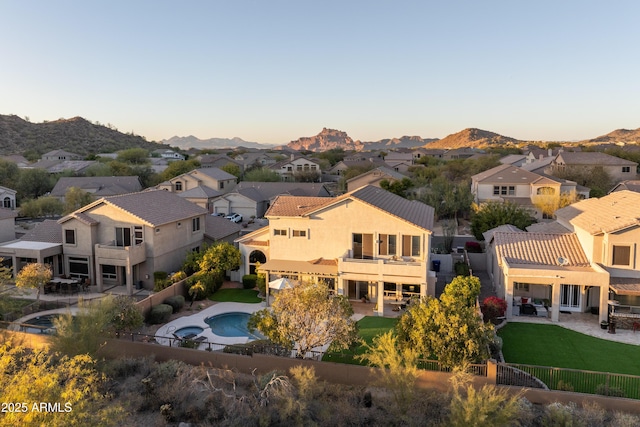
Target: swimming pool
{"type": "Point", "coordinates": [189, 330]}
{"type": "Point", "coordinates": [41, 324]}
{"type": "Point", "coordinates": [232, 324]}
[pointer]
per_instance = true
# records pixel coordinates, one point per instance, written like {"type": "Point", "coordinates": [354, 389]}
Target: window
{"type": "Point", "coordinates": [621, 255]}
{"type": "Point", "coordinates": [299, 233]}
{"type": "Point", "coordinates": [178, 185]}
{"type": "Point", "coordinates": [569, 296]}
{"type": "Point", "coordinates": [279, 232]}
{"type": "Point", "coordinates": [6, 202]}
{"type": "Point", "coordinates": [70, 237]}
{"type": "Point", "coordinates": [313, 167]}
{"type": "Point", "coordinates": [289, 168]}
{"type": "Point", "coordinates": [195, 224]}
{"type": "Point", "coordinates": [221, 185]}
{"type": "Point", "coordinates": [362, 246]}
{"type": "Point", "coordinates": [299, 167]}
{"type": "Point", "coordinates": [387, 244]}
{"type": "Point", "coordinates": [123, 236]}
{"type": "Point", "coordinates": [626, 169]}
{"type": "Point", "coordinates": [109, 272]}
{"type": "Point", "coordinates": [137, 234]}
{"type": "Point", "coordinates": [504, 190]}
{"type": "Point", "coordinates": [521, 287]}
{"type": "Point", "coordinates": [410, 245]}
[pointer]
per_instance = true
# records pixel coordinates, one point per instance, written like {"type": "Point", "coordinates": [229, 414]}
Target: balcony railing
{"type": "Point", "coordinates": [135, 254]}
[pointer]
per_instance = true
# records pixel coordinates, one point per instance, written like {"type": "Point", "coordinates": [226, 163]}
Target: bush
{"type": "Point", "coordinates": [249, 281]}
{"type": "Point", "coordinates": [206, 283]}
{"type": "Point", "coordinates": [178, 276]}
{"type": "Point", "coordinates": [461, 269]}
{"type": "Point", "coordinates": [564, 386]}
{"type": "Point", "coordinates": [604, 390]}
{"type": "Point", "coordinates": [261, 284]}
{"type": "Point", "coordinates": [493, 307]}
{"type": "Point", "coordinates": [160, 314]}
{"type": "Point", "coordinates": [160, 280]}
{"type": "Point", "coordinates": [473, 247]}
{"type": "Point", "coordinates": [176, 302]}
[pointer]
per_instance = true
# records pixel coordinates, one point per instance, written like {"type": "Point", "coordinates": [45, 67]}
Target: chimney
{"type": "Point", "coordinates": [541, 156]}
{"type": "Point", "coordinates": [293, 157]}
{"type": "Point", "coordinates": [550, 152]}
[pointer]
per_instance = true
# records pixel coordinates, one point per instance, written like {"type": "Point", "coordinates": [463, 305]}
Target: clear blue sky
{"type": "Point", "coordinates": [273, 71]}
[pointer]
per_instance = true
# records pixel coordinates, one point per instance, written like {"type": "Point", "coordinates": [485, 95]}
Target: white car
{"type": "Point", "coordinates": [234, 217]}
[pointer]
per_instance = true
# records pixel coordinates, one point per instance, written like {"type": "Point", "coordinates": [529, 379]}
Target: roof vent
{"type": "Point", "coordinates": [562, 261]}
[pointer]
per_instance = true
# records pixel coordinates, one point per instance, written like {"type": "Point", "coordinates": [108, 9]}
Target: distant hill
{"type": "Point", "coordinates": [76, 135]}
{"type": "Point", "coordinates": [472, 137]}
{"type": "Point", "coordinates": [186, 142]}
{"type": "Point", "coordinates": [619, 135]}
{"type": "Point", "coordinates": [329, 139]}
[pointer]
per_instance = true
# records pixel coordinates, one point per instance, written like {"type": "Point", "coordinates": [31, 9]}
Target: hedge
{"type": "Point", "coordinates": [249, 281]}
{"type": "Point", "coordinates": [176, 302]}
{"type": "Point", "coordinates": [160, 314]}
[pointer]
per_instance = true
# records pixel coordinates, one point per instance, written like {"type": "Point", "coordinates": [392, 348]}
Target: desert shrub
{"type": "Point", "coordinates": [605, 390]}
{"type": "Point", "coordinates": [160, 280]}
{"type": "Point", "coordinates": [160, 314]}
{"type": "Point", "coordinates": [557, 414]}
{"type": "Point", "coordinates": [493, 307]}
{"type": "Point", "coordinates": [564, 386]}
{"type": "Point", "coordinates": [249, 281]}
{"type": "Point", "coordinates": [176, 302]}
{"type": "Point", "coordinates": [461, 269]}
{"type": "Point", "coordinates": [259, 347]}
{"type": "Point", "coordinates": [189, 343]}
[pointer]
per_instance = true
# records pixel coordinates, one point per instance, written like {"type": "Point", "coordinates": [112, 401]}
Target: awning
{"type": "Point", "coordinates": [625, 286]}
{"type": "Point", "coordinates": [298, 267]}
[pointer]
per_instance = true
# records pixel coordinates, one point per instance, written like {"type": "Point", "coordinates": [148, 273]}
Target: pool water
{"type": "Point", "coordinates": [182, 332]}
{"type": "Point", "coordinates": [41, 324]}
{"type": "Point", "coordinates": [232, 324]}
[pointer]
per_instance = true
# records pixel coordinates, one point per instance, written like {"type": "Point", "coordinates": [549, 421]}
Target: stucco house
{"type": "Point", "coordinates": [367, 243]}
{"type": "Point", "coordinates": [122, 240]}
{"type": "Point", "coordinates": [287, 169]}
{"type": "Point", "coordinates": [373, 177]}
{"type": "Point", "coordinates": [7, 198]}
{"type": "Point", "coordinates": [618, 169]}
{"type": "Point", "coordinates": [214, 178]}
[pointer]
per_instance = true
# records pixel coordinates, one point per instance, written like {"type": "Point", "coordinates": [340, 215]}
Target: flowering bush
{"type": "Point", "coordinates": [493, 307]}
{"type": "Point", "coordinates": [473, 247]}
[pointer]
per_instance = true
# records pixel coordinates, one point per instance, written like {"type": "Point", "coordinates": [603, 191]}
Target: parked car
{"type": "Point", "coordinates": [234, 217]}
{"type": "Point", "coordinates": [218, 214]}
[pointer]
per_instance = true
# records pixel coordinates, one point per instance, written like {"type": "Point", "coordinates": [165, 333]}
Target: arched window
{"type": "Point", "coordinates": [178, 185]}
{"type": "Point", "coordinates": [256, 257]}
{"type": "Point", "coordinates": [6, 202]}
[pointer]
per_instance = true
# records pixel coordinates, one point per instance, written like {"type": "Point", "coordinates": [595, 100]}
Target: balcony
{"type": "Point", "coordinates": [111, 254]}
{"type": "Point", "coordinates": [386, 269]}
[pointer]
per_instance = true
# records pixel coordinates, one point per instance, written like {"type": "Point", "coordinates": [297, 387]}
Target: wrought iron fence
{"type": "Point", "coordinates": [603, 383]}
{"type": "Point", "coordinates": [434, 365]}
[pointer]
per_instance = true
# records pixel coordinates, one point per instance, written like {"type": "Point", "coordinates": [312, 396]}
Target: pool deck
{"type": "Point", "coordinates": [165, 336]}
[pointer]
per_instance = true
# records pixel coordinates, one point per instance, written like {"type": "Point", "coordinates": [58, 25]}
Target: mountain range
{"type": "Point", "coordinates": [187, 142]}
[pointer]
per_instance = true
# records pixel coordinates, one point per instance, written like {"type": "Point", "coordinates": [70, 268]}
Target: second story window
{"type": "Point", "coordinates": [178, 185]}
{"type": "Point", "coordinates": [621, 255]}
{"type": "Point", "coordinates": [70, 237]}
{"type": "Point", "coordinates": [626, 169]}
{"type": "Point", "coordinates": [279, 232]}
{"type": "Point", "coordinates": [137, 234]}
{"type": "Point", "coordinates": [123, 236]}
{"type": "Point", "coordinates": [196, 224]}
{"type": "Point", "coordinates": [411, 246]}
{"type": "Point", "coordinates": [299, 233]}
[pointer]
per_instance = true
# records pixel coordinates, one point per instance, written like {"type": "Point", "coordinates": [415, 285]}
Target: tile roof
{"type": "Point", "coordinates": [540, 249]}
{"type": "Point", "coordinates": [98, 185]}
{"type": "Point", "coordinates": [616, 211]}
{"type": "Point", "coordinates": [155, 207]}
{"type": "Point", "coordinates": [631, 185]}
{"type": "Point", "coordinates": [216, 227]}
{"type": "Point", "coordinates": [593, 158]}
{"type": "Point", "coordinates": [215, 173]}
{"type": "Point", "coordinates": [488, 235]}
{"type": "Point", "coordinates": [625, 285]}
{"type": "Point", "coordinates": [201, 191]}
{"type": "Point", "coordinates": [381, 170]}
{"type": "Point", "coordinates": [510, 174]}
{"type": "Point", "coordinates": [553, 227]}
{"type": "Point", "coordinates": [49, 231]}
{"type": "Point", "coordinates": [268, 190]}
{"type": "Point", "coordinates": [413, 211]}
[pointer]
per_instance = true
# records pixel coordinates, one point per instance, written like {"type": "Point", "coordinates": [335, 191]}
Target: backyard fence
{"type": "Point", "coordinates": [564, 379]}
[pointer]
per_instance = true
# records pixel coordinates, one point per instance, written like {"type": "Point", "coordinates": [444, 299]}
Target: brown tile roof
{"type": "Point", "coordinates": [99, 186]}
{"type": "Point", "coordinates": [285, 205]}
{"type": "Point", "coordinates": [553, 227]}
{"type": "Point", "coordinates": [49, 231]}
{"type": "Point", "coordinates": [613, 212]}
{"type": "Point", "coordinates": [217, 228]}
{"type": "Point", "coordinates": [540, 249]}
{"type": "Point", "coordinates": [509, 174]}
{"type": "Point", "coordinates": [625, 285]}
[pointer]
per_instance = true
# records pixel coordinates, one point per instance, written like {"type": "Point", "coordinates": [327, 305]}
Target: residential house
{"type": "Point", "coordinates": [7, 224]}
{"type": "Point", "coordinates": [202, 196]}
{"type": "Point", "coordinates": [618, 169]}
{"type": "Point", "coordinates": [218, 161]}
{"type": "Point", "coordinates": [41, 244]}
{"type": "Point", "coordinates": [219, 229]}
{"type": "Point", "coordinates": [63, 166]}
{"type": "Point", "coordinates": [367, 243]}
{"type": "Point", "coordinates": [252, 199]}
{"type": "Point", "coordinates": [514, 160]}
{"type": "Point", "coordinates": [631, 185]}
{"type": "Point", "coordinates": [98, 186]}
{"type": "Point", "coordinates": [168, 154]}
{"type": "Point", "coordinates": [18, 159]}
{"type": "Point", "coordinates": [214, 178]}
{"type": "Point", "coordinates": [374, 177]}
{"type": "Point", "coordinates": [122, 240]}
{"type": "Point", "coordinates": [60, 155]}
{"type": "Point", "coordinates": [360, 161]}
{"type": "Point", "coordinates": [289, 168]}
{"type": "Point", "coordinates": [460, 153]}
{"type": "Point", "coordinates": [515, 185]}
{"type": "Point", "coordinates": [7, 198]}
{"type": "Point", "coordinates": [254, 159]}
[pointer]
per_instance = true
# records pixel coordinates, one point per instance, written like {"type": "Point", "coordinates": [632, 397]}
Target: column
{"type": "Point", "coordinates": [380, 299]}
{"type": "Point", "coordinates": [508, 297]}
{"type": "Point", "coordinates": [555, 302]}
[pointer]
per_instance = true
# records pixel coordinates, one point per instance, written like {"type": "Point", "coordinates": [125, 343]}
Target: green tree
{"type": "Point", "coordinates": [9, 173]}
{"type": "Point", "coordinates": [42, 207]}
{"type": "Point", "coordinates": [136, 156]}
{"type": "Point", "coordinates": [306, 176]}
{"type": "Point", "coordinates": [34, 276]}
{"type": "Point", "coordinates": [307, 316]}
{"type": "Point", "coordinates": [178, 168]}
{"type": "Point", "coordinates": [85, 332]}
{"type": "Point", "coordinates": [398, 187]}
{"type": "Point", "coordinates": [221, 257]}
{"type": "Point", "coordinates": [446, 197]}
{"type": "Point", "coordinates": [464, 290]}
{"type": "Point", "coordinates": [262, 175]}
{"type": "Point", "coordinates": [73, 383]}
{"type": "Point", "coordinates": [595, 178]}
{"type": "Point", "coordinates": [493, 214]}
{"type": "Point", "coordinates": [33, 183]}
{"type": "Point", "coordinates": [448, 329]}
{"type": "Point", "coordinates": [75, 198]}
{"type": "Point", "coordinates": [233, 169]}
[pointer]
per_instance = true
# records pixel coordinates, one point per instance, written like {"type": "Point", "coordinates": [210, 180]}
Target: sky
{"type": "Point", "coordinates": [274, 71]}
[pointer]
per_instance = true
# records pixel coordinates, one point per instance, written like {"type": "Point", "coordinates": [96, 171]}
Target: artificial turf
{"type": "Point", "coordinates": [236, 295]}
{"type": "Point", "coordinates": [551, 345]}
{"type": "Point", "coordinates": [368, 328]}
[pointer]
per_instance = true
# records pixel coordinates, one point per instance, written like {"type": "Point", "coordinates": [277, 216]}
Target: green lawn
{"type": "Point", "coordinates": [236, 295]}
{"type": "Point", "coordinates": [550, 345]}
{"type": "Point", "coordinates": [368, 328]}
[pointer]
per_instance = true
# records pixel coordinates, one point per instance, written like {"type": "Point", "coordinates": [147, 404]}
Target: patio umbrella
{"type": "Point", "coordinates": [281, 283]}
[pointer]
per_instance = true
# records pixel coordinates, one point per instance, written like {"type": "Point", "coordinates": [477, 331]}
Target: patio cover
{"type": "Point", "coordinates": [625, 285]}
{"type": "Point", "coordinates": [299, 267]}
